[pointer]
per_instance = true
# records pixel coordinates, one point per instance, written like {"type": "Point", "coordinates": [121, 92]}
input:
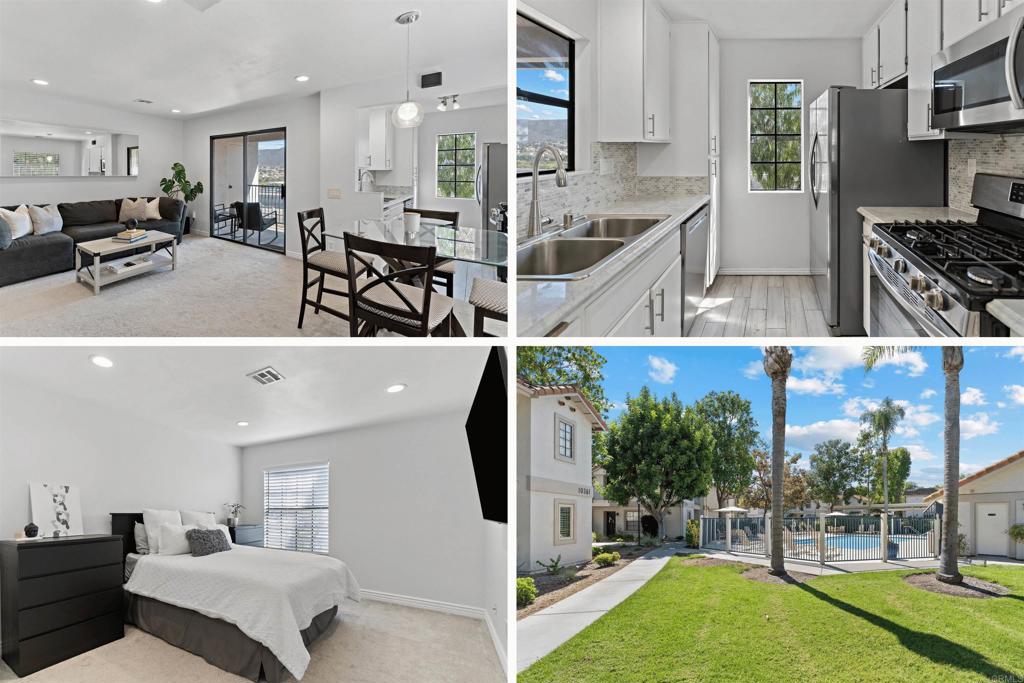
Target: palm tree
{"type": "Point", "coordinates": [777, 360]}
{"type": "Point", "coordinates": [882, 422]}
{"type": "Point", "coordinates": [952, 364]}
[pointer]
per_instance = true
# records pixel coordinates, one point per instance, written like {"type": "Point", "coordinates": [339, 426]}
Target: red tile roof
{"type": "Point", "coordinates": [567, 390]}
{"type": "Point", "coordinates": [980, 473]}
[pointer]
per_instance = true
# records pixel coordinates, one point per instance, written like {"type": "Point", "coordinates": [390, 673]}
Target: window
{"type": "Point", "coordinates": [776, 139]}
{"type": "Point", "coordinates": [133, 161]}
{"type": "Point", "coordinates": [565, 439]}
{"type": "Point", "coordinates": [565, 522]}
{"type": "Point", "coordinates": [35, 164]}
{"type": "Point", "coordinates": [296, 508]}
{"type": "Point", "coordinates": [545, 95]}
{"type": "Point", "coordinates": [456, 165]}
{"type": "Point", "coordinates": [632, 520]}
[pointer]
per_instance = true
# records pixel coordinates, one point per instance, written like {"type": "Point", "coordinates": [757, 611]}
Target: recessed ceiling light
{"type": "Point", "coordinates": [175, 111]}
{"type": "Point", "coordinates": [154, 1]}
{"type": "Point", "coordinates": [101, 361]}
{"type": "Point", "coordinates": [88, 132]}
{"type": "Point", "coordinates": [39, 81]}
{"type": "Point", "coordinates": [395, 388]}
{"type": "Point", "coordinates": [242, 423]}
{"type": "Point", "coordinates": [302, 79]}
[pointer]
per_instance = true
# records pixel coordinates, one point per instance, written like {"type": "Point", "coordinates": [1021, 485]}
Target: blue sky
{"type": "Point", "coordinates": [829, 389]}
{"type": "Point", "coordinates": [551, 82]}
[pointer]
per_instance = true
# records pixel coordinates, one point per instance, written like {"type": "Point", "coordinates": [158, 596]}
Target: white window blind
{"type": "Point", "coordinates": [33, 164]}
{"type": "Point", "coordinates": [296, 508]}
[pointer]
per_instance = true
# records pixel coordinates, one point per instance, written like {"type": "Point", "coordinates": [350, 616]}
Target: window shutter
{"type": "Point", "coordinates": [296, 508]}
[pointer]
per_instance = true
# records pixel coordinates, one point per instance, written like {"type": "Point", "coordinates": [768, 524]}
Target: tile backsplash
{"type": "Point", "coordinates": [1003, 155]}
{"type": "Point", "coordinates": [612, 178]}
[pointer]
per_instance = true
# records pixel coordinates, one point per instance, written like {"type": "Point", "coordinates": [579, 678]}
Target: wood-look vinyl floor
{"type": "Point", "coordinates": [760, 306]}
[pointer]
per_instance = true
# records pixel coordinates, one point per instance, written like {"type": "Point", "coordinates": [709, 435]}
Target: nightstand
{"type": "Point", "coordinates": [247, 534]}
{"type": "Point", "coordinates": [59, 597]}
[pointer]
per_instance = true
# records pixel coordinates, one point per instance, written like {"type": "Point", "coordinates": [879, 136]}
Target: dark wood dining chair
{"type": "Point", "coordinates": [388, 301]}
{"type": "Point", "coordinates": [444, 269]}
{"type": "Point", "coordinates": [316, 259]}
{"type": "Point", "coordinates": [490, 300]}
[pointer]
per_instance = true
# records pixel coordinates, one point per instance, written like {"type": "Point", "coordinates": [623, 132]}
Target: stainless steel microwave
{"type": "Point", "coordinates": [978, 82]}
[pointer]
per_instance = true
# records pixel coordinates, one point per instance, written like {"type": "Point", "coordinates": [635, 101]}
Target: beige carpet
{"type": "Point", "coordinates": [369, 642]}
{"type": "Point", "coordinates": [220, 289]}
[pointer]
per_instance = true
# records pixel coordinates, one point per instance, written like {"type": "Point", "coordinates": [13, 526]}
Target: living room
{"type": "Point", "coordinates": [228, 147]}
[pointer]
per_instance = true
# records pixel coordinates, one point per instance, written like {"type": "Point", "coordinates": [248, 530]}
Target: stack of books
{"type": "Point", "coordinates": [129, 235]}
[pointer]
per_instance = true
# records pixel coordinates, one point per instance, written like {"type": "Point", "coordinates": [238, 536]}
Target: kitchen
{"type": "Point", "coordinates": [704, 173]}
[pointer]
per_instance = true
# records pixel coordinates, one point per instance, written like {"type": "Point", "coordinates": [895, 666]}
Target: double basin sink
{"type": "Point", "coordinates": [579, 251]}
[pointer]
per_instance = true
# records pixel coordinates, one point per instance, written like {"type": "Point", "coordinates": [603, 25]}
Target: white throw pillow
{"type": "Point", "coordinates": [227, 534]}
{"type": "Point", "coordinates": [141, 540]}
{"type": "Point", "coordinates": [153, 519]}
{"type": "Point", "coordinates": [45, 219]}
{"type": "Point", "coordinates": [173, 540]}
{"type": "Point", "coordinates": [132, 208]}
{"type": "Point", "coordinates": [198, 518]}
{"type": "Point", "coordinates": [153, 210]}
{"type": "Point", "coordinates": [20, 221]}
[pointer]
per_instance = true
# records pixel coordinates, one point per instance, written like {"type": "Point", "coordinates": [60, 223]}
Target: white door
{"type": "Point", "coordinates": [869, 57]}
{"type": "Point", "coordinates": [657, 86]}
{"type": "Point", "coordinates": [892, 44]}
{"type": "Point", "coordinates": [637, 322]}
{"type": "Point", "coordinates": [992, 521]}
{"type": "Point", "coordinates": [960, 17]}
{"type": "Point", "coordinates": [714, 95]}
{"type": "Point", "coordinates": [668, 301]}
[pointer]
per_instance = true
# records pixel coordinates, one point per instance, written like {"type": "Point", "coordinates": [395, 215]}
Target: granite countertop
{"type": "Point", "coordinates": [890, 214]}
{"type": "Point", "coordinates": [390, 201]}
{"type": "Point", "coordinates": [1010, 312]}
{"type": "Point", "coordinates": [541, 305]}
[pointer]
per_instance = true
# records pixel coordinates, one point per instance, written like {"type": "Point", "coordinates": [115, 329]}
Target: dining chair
{"type": "Point", "coordinates": [388, 301]}
{"type": "Point", "coordinates": [444, 269]}
{"type": "Point", "coordinates": [490, 300]}
{"type": "Point", "coordinates": [317, 259]}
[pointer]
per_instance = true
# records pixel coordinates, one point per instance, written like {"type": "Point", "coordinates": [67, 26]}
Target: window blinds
{"type": "Point", "coordinates": [296, 508]}
{"type": "Point", "coordinates": [33, 164]}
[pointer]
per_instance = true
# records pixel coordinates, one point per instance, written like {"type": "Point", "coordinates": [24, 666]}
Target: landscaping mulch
{"type": "Point", "coordinates": [970, 588]}
{"type": "Point", "coordinates": [762, 575]}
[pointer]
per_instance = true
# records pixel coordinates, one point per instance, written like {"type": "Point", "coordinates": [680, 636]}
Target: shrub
{"type": "Point", "coordinates": [553, 566]}
{"type": "Point", "coordinates": [607, 559]}
{"type": "Point", "coordinates": [649, 541]}
{"type": "Point", "coordinates": [693, 534]}
{"type": "Point", "coordinates": [526, 591]}
{"type": "Point", "coordinates": [1017, 533]}
{"type": "Point", "coordinates": [593, 536]}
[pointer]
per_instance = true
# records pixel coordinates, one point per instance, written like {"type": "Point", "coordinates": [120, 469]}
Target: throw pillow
{"type": "Point", "coordinates": [198, 518]}
{"type": "Point", "coordinates": [153, 519]}
{"type": "Point", "coordinates": [132, 208]}
{"type": "Point", "coordinates": [45, 219]}
{"type": "Point", "coordinates": [173, 540]}
{"type": "Point", "coordinates": [153, 210]}
{"type": "Point", "coordinates": [20, 221]}
{"type": "Point", "coordinates": [141, 540]}
{"type": "Point", "coordinates": [223, 529]}
{"type": "Point", "coordinates": [5, 234]}
{"type": "Point", "coordinates": [206, 542]}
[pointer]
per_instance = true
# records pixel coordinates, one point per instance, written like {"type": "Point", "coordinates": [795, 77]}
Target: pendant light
{"type": "Point", "coordinates": [408, 114]}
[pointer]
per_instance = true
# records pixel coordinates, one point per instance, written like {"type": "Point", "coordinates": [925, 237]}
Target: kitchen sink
{"type": "Point", "coordinates": [615, 227]}
{"type": "Point", "coordinates": [564, 258]}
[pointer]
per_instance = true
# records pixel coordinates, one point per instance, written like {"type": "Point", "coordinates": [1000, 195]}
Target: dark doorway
{"type": "Point", "coordinates": [609, 524]}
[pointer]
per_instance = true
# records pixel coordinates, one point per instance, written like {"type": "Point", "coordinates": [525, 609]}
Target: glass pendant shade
{"type": "Point", "coordinates": [408, 114]}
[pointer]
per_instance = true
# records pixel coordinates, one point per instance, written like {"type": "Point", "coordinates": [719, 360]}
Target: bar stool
{"type": "Point", "coordinates": [490, 300]}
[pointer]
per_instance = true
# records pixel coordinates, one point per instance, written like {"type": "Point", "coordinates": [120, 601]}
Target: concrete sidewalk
{"type": "Point", "coordinates": [540, 633]}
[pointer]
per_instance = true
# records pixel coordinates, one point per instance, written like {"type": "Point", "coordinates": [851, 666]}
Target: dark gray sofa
{"type": "Point", "coordinates": [34, 256]}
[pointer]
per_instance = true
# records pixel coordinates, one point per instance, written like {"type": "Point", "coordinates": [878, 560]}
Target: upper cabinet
{"type": "Point", "coordinates": [634, 96]}
{"type": "Point", "coordinates": [869, 59]}
{"type": "Point", "coordinates": [884, 49]}
{"type": "Point", "coordinates": [380, 140]}
{"type": "Point", "coordinates": [924, 39]}
{"type": "Point", "coordinates": [960, 17]}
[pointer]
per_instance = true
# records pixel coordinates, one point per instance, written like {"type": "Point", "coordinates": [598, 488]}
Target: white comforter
{"type": "Point", "coordinates": [270, 595]}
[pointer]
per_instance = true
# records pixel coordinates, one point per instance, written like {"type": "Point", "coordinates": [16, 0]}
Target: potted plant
{"type": "Point", "coordinates": [1017, 533]}
{"type": "Point", "coordinates": [179, 184]}
{"type": "Point", "coordinates": [234, 509]}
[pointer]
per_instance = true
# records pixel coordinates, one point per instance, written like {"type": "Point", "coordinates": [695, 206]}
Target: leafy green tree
{"type": "Point", "coordinates": [658, 453]}
{"type": "Point", "coordinates": [795, 483]}
{"type": "Point", "coordinates": [898, 472]}
{"type": "Point", "coordinates": [728, 416]}
{"type": "Point", "coordinates": [834, 468]}
{"type": "Point", "coordinates": [882, 421]}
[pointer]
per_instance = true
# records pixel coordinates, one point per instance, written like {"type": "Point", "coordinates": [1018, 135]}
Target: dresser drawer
{"type": "Point", "coordinates": [57, 587]}
{"type": "Point", "coordinates": [43, 560]}
{"type": "Point", "coordinates": [45, 650]}
{"type": "Point", "coordinates": [57, 615]}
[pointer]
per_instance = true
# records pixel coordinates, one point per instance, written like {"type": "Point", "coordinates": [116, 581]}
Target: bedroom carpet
{"type": "Point", "coordinates": [369, 642]}
{"type": "Point", "coordinates": [220, 289]}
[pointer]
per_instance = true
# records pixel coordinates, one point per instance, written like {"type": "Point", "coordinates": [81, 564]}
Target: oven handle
{"type": "Point", "coordinates": [931, 328]}
{"type": "Point", "coordinates": [1011, 64]}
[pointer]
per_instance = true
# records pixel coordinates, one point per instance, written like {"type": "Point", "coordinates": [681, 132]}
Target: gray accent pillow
{"type": "Point", "coordinates": [206, 541]}
{"type": "Point", "coordinates": [141, 540]}
{"type": "Point", "coordinates": [5, 234]}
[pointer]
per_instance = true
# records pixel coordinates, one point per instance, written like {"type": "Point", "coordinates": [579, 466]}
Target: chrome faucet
{"type": "Point", "coordinates": [362, 174]}
{"type": "Point", "coordinates": [534, 227]}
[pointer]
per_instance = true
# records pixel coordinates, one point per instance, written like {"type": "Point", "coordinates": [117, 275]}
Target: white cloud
{"type": "Point", "coordinates": [661, 370]}
{"type": "Point", "coordinates": [911, 361]}
{"type": "Point", "coordinates": [814, 385]}
{"type": "Point", "coordinates": [1016, 352]}
{"type": "Point", "coordinates": [979, 424]}
{"type": "Point", "coordinates": [928, 393]}
{"type": "Point", "coordinates": [559, 91]}
{"type": "Point", "coordinates": [806, 436]}
{"type": "Point", "coordinates": [754, 370]}
{"type": "Point", "coordinates": [857, 406]}
{"type": "Point", "coordinates": [1015, 392]}
{"type": "Point", "coordinates": [919, 453]}
{"type": "Point", "coordinates": [868, 383]}
{"type": "Point", "coordinates": [915, 415]}
{"type": "Point", "coordinates": [553, 75]}
{"type": "Point", "coordinates": [1000, 404]}
{"type": "Point", "coordinates": [973, 396]}
{"type": "Point", "coordinates": [832, 360]}
{"type": "Point", "coordinates": [523, 107]}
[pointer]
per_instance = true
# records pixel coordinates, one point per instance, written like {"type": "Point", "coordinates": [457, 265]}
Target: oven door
{"type": "Point", "coordinates": [895, 310]}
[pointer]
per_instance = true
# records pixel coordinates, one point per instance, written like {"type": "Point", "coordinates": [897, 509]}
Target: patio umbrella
{"type": "Point", "coordinates": [728, 528]}
{"type": "Point", "coordinates": [836, 514]}
{"type": "Point", "coordinates": [731, 508]}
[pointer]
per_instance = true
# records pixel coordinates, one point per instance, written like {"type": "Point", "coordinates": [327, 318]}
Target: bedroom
{"type": "Point", "coordinates": [305, 441]}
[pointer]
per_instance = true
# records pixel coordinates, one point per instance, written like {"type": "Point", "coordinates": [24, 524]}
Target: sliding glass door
{"type": "Point", "coordinates": [248, 193]}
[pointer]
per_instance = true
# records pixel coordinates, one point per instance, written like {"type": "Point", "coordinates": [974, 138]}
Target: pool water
{"type": "Point", "coordinates": [851, 541]}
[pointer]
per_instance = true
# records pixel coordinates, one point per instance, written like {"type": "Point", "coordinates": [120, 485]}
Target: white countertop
{"type": "Point", "coordinates": [541, 305]}
{"type": "Point", "coordinates": [1010, 312]}
{"type": "Point", "coordinates": [891, 214]}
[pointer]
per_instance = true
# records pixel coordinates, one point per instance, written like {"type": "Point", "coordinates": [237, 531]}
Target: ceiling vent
{"type": "Point", "coordinates": [431, 80]}
{"type": "Point", "coordinates": [267, 375]}
{"type": "Point", "coordinates": [142, 101]}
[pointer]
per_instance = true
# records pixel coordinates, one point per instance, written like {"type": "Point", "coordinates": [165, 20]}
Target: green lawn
{"type": "Point", "coordinates": [711, 624]}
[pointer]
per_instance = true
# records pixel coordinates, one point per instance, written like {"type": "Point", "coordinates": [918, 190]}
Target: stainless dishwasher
{"type": "Point", "coordinates": [695, 263]}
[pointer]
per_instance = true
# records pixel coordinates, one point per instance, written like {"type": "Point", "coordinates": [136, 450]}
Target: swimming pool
{"type": "Point", "coordinates": [854, 541]}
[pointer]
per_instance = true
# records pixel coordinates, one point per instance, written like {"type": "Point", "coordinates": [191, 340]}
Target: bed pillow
{"type": "Point", "coordinates": [141, 540]}
{"type": "Point", "coordinates": [153, 519]}
{"type": "Point", "coordinates": [20, 221]}
{"type": "Point", "coordinates": [206, 542]}
{"type": "Point", "coordinates": [223, 529]}
{"type": "Point", "coordinates": [45, 219]}
{"type": "Point", "coordinates": [173, 540]}
{"type": "Point", "coordinates": [198, 518]}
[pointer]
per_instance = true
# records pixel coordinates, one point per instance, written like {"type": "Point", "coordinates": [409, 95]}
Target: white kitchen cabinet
{"type": "Point", "coordinates": [714, 96]}
{"type": "Point", "coordinates": [380, 140]}
{"type": "Point", "coordinates": [667, 302]}
{"type": "Point", "coordinates": [1007, 5]}
{"type": "Point", "coordinates": [892, 44]}
{"type": "Point", "coordinates": [869, 59]}
{"type": "Point", "coordinates": [714, 213]}
{"type": "Point", "coordinates": [637, 321]}
{"type": "Point", "coordinates": [924, 39]}
{"type": "Point", "coordinates": [634, 82]}
{"type": "Point", "coordinates": [961, 17]}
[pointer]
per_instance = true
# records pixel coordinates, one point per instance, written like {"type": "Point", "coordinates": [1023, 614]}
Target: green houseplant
{"type": "Point", "coordinates": [179, 184]}
{"type": "Point", "coordinates": [1017, 533]}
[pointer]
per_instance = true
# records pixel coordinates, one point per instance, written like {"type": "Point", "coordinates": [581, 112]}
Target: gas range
{"type": "Point", "coordinates": [943, 273]}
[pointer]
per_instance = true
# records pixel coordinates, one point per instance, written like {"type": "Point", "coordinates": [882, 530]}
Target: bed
{"type": "Point", "coordinates": [249, 611]}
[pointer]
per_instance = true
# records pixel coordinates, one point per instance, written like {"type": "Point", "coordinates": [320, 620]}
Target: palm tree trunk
{"type": "Point", "coordinates": [952, 362]}
{"type": "Point", "coordinates": [778, 457]}
{"type": "Point", "coordinates": [885, 474]}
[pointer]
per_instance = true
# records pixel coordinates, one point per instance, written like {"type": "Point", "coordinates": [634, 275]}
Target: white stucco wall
{"type": "Point", "coordinates": [1005, 485]}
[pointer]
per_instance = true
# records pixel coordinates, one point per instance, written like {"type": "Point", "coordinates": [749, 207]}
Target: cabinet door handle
{"type": "Point", "coordinates": [661, 314]}
{"type": "Point", "coordinates": [872, 75]}
{"type": "Point", "coordinates": [981, 11]}
{"type": "Point", "coordinates": [651, 117]}
{"type": "Point", "coordinates": [714, 168]}
{"type": "Point", "coordinates": [879, 74]}
{"type": "Point", "coordinates": [929, 121]}
{"type": "Point", "coordinates": [714, 144]}
{"type": "Point", "coordinates": [650, 315]}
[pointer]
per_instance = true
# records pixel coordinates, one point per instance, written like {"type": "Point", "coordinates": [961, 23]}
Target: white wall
{"type": "Point", "coordinates": [301, 118]}
{"type": "Point", "coordinates": [160, 145]}
{"type": "Point", "coordinates": [770, 233]}
{"type": "Point", "coordinates": [70, 152]}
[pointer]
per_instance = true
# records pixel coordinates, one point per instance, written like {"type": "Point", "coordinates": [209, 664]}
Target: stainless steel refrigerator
{"type": "Point", "coordinates": [492, 182]}
{"type": "Point", "coordinates": [859, 155]}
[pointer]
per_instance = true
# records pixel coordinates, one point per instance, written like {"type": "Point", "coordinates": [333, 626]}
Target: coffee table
{"type": "Point", "coordinates": [91, 272]}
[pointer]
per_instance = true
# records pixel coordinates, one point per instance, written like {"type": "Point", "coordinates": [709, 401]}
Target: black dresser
{"type": "Point", "coordinates": [59, 597]}
{"type": "Point", "coordinates": [247, 534]}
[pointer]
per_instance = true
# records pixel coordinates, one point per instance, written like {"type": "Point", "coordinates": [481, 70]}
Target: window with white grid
{"type": "Point", "coordinates": [35, 164]}
{"type": "Point", "coordinates": [296, 508]}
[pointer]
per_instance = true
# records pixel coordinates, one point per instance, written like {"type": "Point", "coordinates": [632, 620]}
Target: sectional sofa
{"type": "Point", "coordinates": [34, 255]}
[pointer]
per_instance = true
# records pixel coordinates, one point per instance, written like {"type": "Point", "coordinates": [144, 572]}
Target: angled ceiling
{"type": "Point", "coordinates": [112, 52]}
{"type": "Point", "coordinates": [781, 19]}
{"type": "Point", "coordinates": [205, 390]}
